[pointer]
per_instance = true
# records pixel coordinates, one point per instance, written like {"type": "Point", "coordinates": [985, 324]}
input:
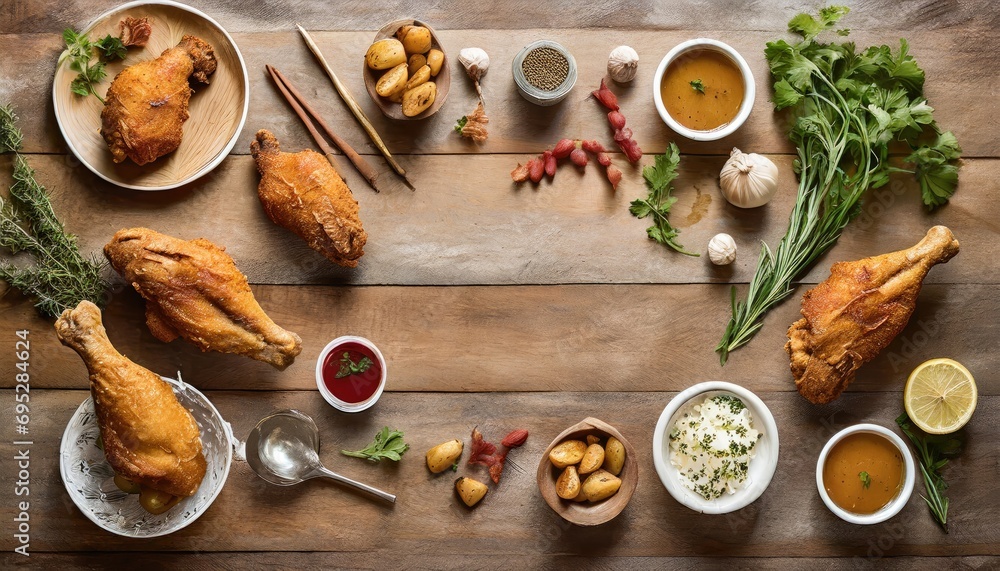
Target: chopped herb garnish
{"type": "Point", "coordinates": [349, 367]}
{"type": "Point", "coordinates": [866, 480]}
{"type": "Point", "coordinates": [698, 86]}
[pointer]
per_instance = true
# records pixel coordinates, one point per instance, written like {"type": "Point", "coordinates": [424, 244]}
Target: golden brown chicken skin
{"type": "Point", "coordinates": [147, 103]}
{"type": "Point", "coordinates": [148, 436]}
{"type": "Point", "coordinates": [853, 315]}
{"type": "Point", "coordinates": [305, 194]}
{"type": "Point", "coordinates": [193, 290]}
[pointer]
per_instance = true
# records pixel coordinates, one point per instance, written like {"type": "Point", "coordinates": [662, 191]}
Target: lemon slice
{"type": "Point", "coordinates": [940, 396]}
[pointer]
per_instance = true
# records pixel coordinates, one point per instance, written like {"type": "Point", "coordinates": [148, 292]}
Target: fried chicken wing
{"type": "Point", "coordinates": [147, 103]}
{"type": "Point", "coordinates": [148, 436]}
{"type": "Point", "coordinates": [194, 290]}
{"type": "Point", "coordinates": [853, 315]}
{"type": "Point", "coordinates": [305, 194]}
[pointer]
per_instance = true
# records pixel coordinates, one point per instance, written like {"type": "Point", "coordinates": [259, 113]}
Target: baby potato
{"type": "Point", "coordinates": [415, 62]}
{"type": "Point", "coordinates": [423, 74]}
{"type": "Point", "coordinates": [392, 81]}
{"type": "Point", "coordinates": [592, 459]}
{"type": "Point", "coordinates": [471, 491]}
{"type": "Point", "coordinates": [419, 99]}
{"type": "Point", "coordinates": [444, 455]}
{"type": "Point", "coordinates": [385, 54]}
{"type": "Point", "coordinates": [601, 485]}
{"type": "Point", "coordinates": [591, 439]}
{"type": "Point", "coordinates": [435, 59]}
{"type": "Point", "coordinates": [614, 456]}
{"type": "Point", "coordinates": [155, 501]}
{"type": "Point", "coordinates": [567, 453]}
{"type": "Point", "coordinates": [397, 97]}
{"type": "Point", "coordinates": [415, 39]}
{"type": "Point", "coordinates": [568, 484]}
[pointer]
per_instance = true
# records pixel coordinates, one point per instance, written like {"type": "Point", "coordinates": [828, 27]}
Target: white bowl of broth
{"type": "Point", "coordinates": [703, 89]}
{"type": "Point", "coordinates": [865, 474]}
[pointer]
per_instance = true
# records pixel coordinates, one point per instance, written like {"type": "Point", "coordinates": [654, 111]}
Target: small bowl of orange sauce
{"type": "Point", "coordinates": [703, 89]}
{"type": "Point", "coordinates": [865, 474]}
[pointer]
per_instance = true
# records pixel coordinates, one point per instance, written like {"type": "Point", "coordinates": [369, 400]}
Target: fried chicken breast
{"type": "Point", "coordinates": [305, 194]}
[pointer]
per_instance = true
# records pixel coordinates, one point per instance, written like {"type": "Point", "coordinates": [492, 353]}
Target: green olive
{"type": "Point", "coordinates": [126, 485]}
{"type": "Point", "coordinates": [155, 501]}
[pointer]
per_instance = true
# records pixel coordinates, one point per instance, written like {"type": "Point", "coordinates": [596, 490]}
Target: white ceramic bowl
{"type": "Point", "coordinates": [761, 467]}
{"type": "Point", "coordinates": [749, 90]}
{"type": "Point", "coordinates": [335, 402]}
{"type": "Point", "coordinates": [89, 478]}
{"type": "Point", "coordinates": [890, 509]}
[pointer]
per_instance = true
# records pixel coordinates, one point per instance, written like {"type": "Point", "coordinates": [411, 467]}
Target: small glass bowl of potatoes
{"type": "Point", "coordinates": [588, 473]}
{"type": "Point", "coordinates": [406, 71]}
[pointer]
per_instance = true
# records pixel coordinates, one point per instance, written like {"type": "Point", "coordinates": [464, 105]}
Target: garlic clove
{"type": "Point", "coordinates": [748, 180]}
{"type": "Point", "coordinates": [623, 64]}
{"type": "Point", "coordinates": [722, 249]}
{"type": "Point", "coordinates": [475, 61]}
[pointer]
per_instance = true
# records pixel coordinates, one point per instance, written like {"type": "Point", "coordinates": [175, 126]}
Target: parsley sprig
{"type": "Point", "coordinates": [847, 107]}
{"type": "Point", "coordinates": [388, 444]}
{"type": "Point", "coordinates": [698, 86]}
{"type": "Point", "coordinates": [866, 479]}
{"type": "Point", "coordinates": [80, 51]}
{"type": "Point", "coordinates": [659, 177]}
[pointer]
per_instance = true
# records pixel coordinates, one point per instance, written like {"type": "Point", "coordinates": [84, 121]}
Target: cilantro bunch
{"type": "Point", "coordinates": [848, 106]}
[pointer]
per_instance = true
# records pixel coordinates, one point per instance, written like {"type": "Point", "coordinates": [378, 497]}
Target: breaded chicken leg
{"type": "Point", "coordinates": [147, 103]}
{"type": "Point", "coordinates": [853, 315]}
{"type": "Point", "coordinates": [194, 290]}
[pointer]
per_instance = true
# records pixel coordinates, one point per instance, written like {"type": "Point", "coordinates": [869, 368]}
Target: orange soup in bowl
{"type": "Point", "coordinates": [703, 89]}
{"type": "Point", "coordinates": [863, 472]}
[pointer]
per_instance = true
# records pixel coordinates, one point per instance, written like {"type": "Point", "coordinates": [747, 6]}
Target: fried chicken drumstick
{"type": "Point", "coordinates": [853, 315]}
{"type": "Point", "coordinates": [193, 290]}
{"type": "Point", "coordinates": [305, 194]}
{"type": "Point", "coordinates": [149, 437]}
{"type": "Point", "coordinates": [147, 103]}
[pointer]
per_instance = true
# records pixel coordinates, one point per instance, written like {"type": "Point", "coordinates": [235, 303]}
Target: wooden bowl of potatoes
{"type": "Point", "coordinates": [588, 473]}
{"type": "Point", "coordinates": [406, 70]}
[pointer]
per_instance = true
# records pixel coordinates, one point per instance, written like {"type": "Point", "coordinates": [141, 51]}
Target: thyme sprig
{"type": "Point", "coordinates": [60, 276]}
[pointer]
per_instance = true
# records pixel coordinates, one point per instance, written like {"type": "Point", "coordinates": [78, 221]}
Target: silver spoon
{"type": "Point", "coordinates": [283, 449]}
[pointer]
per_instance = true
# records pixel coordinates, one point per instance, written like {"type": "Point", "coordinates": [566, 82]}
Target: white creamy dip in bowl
{"type": "Point", "coordinates": [761, 467]}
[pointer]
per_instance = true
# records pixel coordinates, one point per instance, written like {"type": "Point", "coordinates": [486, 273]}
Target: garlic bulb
{"type": "Point", "coordinates": [748, 180]}
{"type": "Point", "coordinates": [475, 61]}
{"type": "Point", "coordinates": [622, 64]}
{"type": "Point", "coordinates": [722, 249]}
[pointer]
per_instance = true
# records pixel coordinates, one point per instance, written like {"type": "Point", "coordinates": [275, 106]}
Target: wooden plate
{"type": "Point", "coordinates": [585, 513]}
{"type": "Point", "coordinates": [443, 79]}
{"type": "Point", "coordinates": [218, 110]}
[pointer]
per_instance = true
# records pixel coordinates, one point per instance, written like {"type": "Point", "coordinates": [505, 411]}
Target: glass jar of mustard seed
{"type": "Point", "coordinates": [544, 72]}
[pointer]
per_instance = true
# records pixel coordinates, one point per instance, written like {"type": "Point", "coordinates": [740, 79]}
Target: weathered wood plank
{"type": "Point", "coordinates": [468, 224]}
{"type": "Point", "coordinates": [242, 561]}
{"type": "Point", "coordinates": [960, 86]}
{"type": "Point", "coordinates": [520, 14]}
{"type": "Point", "coordinates": [537, 338]}
{"type": "Point", "coordinates": [789, 519]}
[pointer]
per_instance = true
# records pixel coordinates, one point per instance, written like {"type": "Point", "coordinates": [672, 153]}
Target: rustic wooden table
{"type": "Point", "coordinates": [507, 307]}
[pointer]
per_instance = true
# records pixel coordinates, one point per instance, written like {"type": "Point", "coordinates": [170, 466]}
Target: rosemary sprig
{"type": "Point", "coordinates": [60, 277]}
{"type": "Point", "coordinates": [933, 452]}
